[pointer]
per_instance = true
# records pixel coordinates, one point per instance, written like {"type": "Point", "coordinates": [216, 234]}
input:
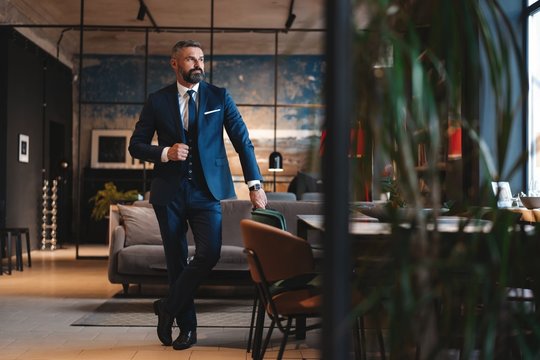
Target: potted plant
{"type": "Point", "coordinates": [439, 290]}
{"type": "Point", "coordinates": [110, 195]}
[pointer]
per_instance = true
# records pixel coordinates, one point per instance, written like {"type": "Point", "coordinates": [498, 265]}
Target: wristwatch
{"type": "Point", "coordinates": [255, 187]}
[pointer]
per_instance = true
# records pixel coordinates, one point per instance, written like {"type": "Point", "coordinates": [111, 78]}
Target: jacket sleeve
{"type": "Point", "coordinates": [238, 134]}
{"type": "Point", "coordinates": [140, 144]}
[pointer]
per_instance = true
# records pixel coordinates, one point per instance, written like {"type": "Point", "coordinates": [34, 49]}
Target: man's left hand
{"type": "Point", "coordinates": [258, 199]}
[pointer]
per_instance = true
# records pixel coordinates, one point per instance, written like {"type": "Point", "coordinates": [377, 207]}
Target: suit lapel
{"type": "Point", "coordinates": [172, 99]}
{"type": "Point", "coordinates": [202, 102]}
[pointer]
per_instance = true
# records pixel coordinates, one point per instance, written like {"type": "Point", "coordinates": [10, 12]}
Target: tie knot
{"type": "Point", "coordinates": [190, 93]}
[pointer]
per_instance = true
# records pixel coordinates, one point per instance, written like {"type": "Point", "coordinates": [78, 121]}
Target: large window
{"type": "Point", "coordinates": [534, 94]}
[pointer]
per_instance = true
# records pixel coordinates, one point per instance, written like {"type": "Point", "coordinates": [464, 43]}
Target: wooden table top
{"type": "Point", "coordinates": [367, 226]}
{"type": "Point", "coordinates": [527, 215]}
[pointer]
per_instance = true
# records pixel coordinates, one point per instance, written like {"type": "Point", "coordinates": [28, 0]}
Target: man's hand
{"type": "Point", "coordinates": [178, 152]}
{"type": "Point", "coordinates": [258, 199]}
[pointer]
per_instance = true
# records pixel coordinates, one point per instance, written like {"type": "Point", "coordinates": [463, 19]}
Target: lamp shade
{"type": "Point", "coordinates": [275, 162]}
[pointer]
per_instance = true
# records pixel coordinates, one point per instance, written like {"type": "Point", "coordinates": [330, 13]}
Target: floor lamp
{"type": "Point", "coordinates": [275, 161]}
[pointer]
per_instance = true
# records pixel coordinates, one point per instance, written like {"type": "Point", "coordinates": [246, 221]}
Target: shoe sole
{"type": "Point", "coordinates": [184, 347]}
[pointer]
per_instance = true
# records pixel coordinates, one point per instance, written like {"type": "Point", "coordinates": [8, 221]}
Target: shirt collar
{"type": "Point", "coordinates": [182, 89]}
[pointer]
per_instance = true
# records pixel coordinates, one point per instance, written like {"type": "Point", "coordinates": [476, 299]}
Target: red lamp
{"type": "Point", "coordinates": [357, 137]}
{"type": "Point", "coordinates": [454, 142]}
{"type": "Point", "coordinates": [356, 143]}
{"type": "Point", "coordinates": [322, 143]}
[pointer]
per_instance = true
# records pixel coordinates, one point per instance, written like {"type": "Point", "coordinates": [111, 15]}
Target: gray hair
{"type": "Point", "coordinates": [184, 44]}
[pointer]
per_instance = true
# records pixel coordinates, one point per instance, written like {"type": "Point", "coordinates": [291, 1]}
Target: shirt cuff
{"type": "Point", "coordinates": [253, 182]}
{"type": "Point", "coordinates": [164, 157]}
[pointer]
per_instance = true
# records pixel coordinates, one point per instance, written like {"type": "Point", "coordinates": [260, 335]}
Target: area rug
{"type": "Point", "coordinates": [139, 312]}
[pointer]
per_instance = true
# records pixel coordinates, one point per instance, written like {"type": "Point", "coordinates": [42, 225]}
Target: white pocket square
{"type": "Point", "coordinates": [212, 111]}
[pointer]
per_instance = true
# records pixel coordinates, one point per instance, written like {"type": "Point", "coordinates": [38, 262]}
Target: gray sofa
{"type": "Point", "coordinates": [136, 253]}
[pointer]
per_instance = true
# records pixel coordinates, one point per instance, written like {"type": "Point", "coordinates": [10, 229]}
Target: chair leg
{"type": "Point", "coordinates": [300, 323]}
{"type": "Point", "coordinates": [363, 338]}
{"type": "Point", "coordinates": [28, 250]}
{"type": "Point", "coordinates": [285, 337]}
{"type": "Point", "coordinates": [2, 250]}
{"type": "Point", "coordinates": [8, 252]}
{"type": "Point", "coordinates": [356, 339]}
{"type": "Point", "coordinates": [252, 323]}
{"type": "Point", "coordinates": [258, 333]}
{"type": "Point", "coordinates": [18, 251]}
{"type": "Point", "coordinates": [380, 339]}
{"type": "Point", "coordinates": [267, 339]}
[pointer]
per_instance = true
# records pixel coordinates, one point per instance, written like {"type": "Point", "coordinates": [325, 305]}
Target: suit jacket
{"type": "Point", "coordinates": [216, 111]}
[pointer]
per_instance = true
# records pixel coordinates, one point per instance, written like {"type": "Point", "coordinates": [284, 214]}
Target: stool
{"type": "Point", "coordinates": [16, 233]}
{"type": "Point", "coordinates": [5, 250]}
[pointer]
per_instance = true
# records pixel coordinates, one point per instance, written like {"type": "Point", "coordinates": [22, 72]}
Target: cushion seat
{"type": "Point", "coordinates": [135, 259]}
{"type": "Point", "coordinates": [143, 259]}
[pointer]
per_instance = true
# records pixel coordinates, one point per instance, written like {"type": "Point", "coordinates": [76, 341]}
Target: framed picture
{"type": "Point", "coordinates": [110, 150]}
{"type": "Point", "coordinates": [24, 148]}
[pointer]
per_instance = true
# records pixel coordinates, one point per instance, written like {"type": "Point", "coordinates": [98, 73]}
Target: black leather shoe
{"type": "Point", "coordinates": [185, 340]}
{"type": "Point", "coordinates": [165, 322]}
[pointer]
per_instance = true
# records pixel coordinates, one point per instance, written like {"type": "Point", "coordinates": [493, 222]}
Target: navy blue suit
{"type": "Point", "coordinates": [178, 200]}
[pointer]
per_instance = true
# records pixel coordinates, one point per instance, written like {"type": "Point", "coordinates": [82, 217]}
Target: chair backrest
{"type": "Point", "coordinates": [270, 217]}
{"type": "Point", "coordinates": [283, 196]}
{"type": "Point", "coordinates": [312, 196]}
{"type": "Point", "coordinates": [281, 255]}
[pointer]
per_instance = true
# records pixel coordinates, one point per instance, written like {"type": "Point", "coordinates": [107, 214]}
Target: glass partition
{"type": "Point", "coordinates": [534, 99]}
{"type": "Point", "coordinates": [276, 85]}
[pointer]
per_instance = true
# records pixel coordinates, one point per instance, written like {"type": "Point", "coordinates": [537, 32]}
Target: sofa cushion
{"type": "Point", "coordinates": [150, 260]}
{"type": "Point", "coordinates": [141, 225]}
{"type": "Point", "coordinates": [231, 258]}
{"type": "Point", "coordinates": [141, 260]}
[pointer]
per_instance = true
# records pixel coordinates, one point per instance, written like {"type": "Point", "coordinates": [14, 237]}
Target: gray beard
{"type": "Point", "coordinates": [192, 77]}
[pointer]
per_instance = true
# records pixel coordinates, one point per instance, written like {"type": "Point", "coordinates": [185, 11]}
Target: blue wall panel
{"type": "Point", "coordinates": [250, 80]}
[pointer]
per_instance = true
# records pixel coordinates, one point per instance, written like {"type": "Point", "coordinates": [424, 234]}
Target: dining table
{"type": "Point", "coordinates": [377, 245]}
{"type": "Point", "coordinates": [363, 227]}
{"type": "Point", "coordinates": [527, 215]}
{"type": "Point", "coordinates": [374, 239]}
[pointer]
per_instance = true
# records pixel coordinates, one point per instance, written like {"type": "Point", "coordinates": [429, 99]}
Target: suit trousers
{"type": "Point", "coordinates": [193, 205]}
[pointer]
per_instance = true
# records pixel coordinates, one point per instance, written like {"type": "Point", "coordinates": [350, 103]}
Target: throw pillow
{"type": "Point", "coordinates": [141, 225]}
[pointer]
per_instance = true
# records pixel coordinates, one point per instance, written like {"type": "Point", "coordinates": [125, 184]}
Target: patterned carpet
{"type": "Point", "coordinates": [139, 312]}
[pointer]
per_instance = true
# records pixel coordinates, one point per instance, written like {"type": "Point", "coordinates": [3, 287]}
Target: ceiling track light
{"type": "Point", "coordinates": [290, 21]}
{"type": "Point", "coordinates": [142, 12]}
{"type": "Point", "coordinates": [291, 17]}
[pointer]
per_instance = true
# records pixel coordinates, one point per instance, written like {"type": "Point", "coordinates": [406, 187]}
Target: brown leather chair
{"type": "Point", "coordinates": [278, 264]}
{"type": "Point", "coordinates": [283, 269]}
